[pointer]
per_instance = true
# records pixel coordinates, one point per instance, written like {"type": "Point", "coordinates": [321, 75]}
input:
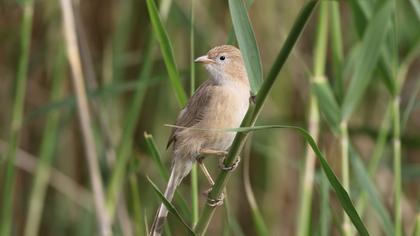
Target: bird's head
{"type": "Point", "coordinates": [225, 63]}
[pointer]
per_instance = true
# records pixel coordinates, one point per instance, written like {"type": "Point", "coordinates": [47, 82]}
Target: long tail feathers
{"type": "Point", "coordinates": [174, 180]}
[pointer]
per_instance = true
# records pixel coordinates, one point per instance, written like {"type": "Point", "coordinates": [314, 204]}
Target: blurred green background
{"type": "Point", "coordinates": [43, 164]}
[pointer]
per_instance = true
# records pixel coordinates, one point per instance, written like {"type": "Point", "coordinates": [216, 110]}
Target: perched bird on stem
{"type": "Point", "coordinates": [220, 102]}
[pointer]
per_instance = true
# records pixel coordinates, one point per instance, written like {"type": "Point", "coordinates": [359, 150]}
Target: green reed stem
{"type": "Point", "coordinates": [194, 174]}
{"type": "Point", "coordinates": [396, 125]}
{"type": "Point", "coordinates": [46, 155]}
{"type": "Point", "coordinates": [136, 204]}
{"type": "Point", "coordinates": [337, 52]}
{"type": "Point", "coordinates": [304, 222]}
{"type": "Point", "coordinates": [397, 165]}
{"type": "Point", "coordinates": [16, 119]}
{"type": "Point", "coordinates": [253, 113]}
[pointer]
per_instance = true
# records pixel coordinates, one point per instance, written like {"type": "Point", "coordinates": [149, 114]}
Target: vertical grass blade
{"type": "Point", "coordinates": [194, 174]}
{"type": "Point", "coordinates": [171, 208]}
{"type": "Point", "coordinates": [257, 217]}
{"type": "Point", "coordinates": [396, 110]}
{"type": "Point", "coordinates": [48, 146]}
{"type": "Point", "coordinates": [368, 57]}
{"type": "Point", "coordinates": [307, 182]}
{"type": "Point", "coordinates": [247, 43]}
{"type": "Point", "coordinates": [345, 169]}
{"type": "Point", "coordinates": [136, 205]}
{"type": "Point", "coordinates": [167, 52]}
{"type": "Point", "coordinates": [397, 165]}
{"type": "Point", "coordinates": [6, 220]}
{"type": "Point", "coordinates": [163, 171]}
{"type": "Point", "coordinates": [104, 224]}
{"type": "Point", "coordinates": [366, 183]}
{"type": "Point", "coordinates": [362, 13]}
{"type": "Point", "coordinates": [154, 152]}
{"type": "Point", "coordinates": [337, 49]}
{"type": "Point", "coordinates": [121, 34]}
{"type": "Point", "coordinates": [327, 103]}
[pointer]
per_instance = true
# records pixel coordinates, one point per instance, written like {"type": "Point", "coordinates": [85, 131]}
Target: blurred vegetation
{"type": "Point", "coordinates": [351, 80]}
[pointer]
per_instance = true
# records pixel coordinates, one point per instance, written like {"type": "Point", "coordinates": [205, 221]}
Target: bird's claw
{"type": "Point", "coordinates": [214, 202]}
{"type": "Point", "coordinates": [231, 167]}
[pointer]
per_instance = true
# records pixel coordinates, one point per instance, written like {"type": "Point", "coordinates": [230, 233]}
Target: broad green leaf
{"type": "Point", "coordinates": [327, 104]}
{"type": "Point", "coordinates": [402, 74]}
{"type": "Point", "coordinates": [247, 43]}
{"type": "Point", "coordinates": [171, 208]}
{"type": "Point", "coordinates": [368, 56]}
{"type": "Point", "coordinates": [416, 7]}
{"type": "Point", "coordinates": [362, 13]}
{"type": "Point", "coordinates": [366, 183]}
{"type": "Point", "coordinates": [154, 152]}
{"type": "Point", "coordinates": [167, 52]}
{"type": "Point", "coordinates": [342, 194]}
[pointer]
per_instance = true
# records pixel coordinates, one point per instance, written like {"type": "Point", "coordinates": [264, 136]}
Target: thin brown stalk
{"type": "Point", "coordinates": [100, 115]}
{"type": "Point", "coordinates": [84, 116]}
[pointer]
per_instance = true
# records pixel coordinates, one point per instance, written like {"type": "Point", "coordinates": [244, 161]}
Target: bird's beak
{"type": "Point", "coordinates": [204, 59]}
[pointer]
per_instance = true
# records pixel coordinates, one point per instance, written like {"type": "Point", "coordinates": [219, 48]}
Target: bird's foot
{"type": "Point", "coordinates": [214, 202]}
{"type": "Point", "coordinates": [231, 167]}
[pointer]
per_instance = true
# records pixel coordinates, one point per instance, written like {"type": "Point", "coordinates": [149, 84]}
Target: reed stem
{"type": "Point", "coordinates": [16, 119]}
{"type": "Point", "coordinates": [304, 215]}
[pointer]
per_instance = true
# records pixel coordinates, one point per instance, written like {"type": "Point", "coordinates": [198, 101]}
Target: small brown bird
{"type": "Point", "coordinates": [220, 102]}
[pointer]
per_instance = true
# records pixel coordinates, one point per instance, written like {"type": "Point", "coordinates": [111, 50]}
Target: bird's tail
{"type": "Point", "coordinates": [179, 170]}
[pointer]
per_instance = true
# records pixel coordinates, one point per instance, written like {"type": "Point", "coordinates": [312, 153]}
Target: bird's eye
{"type": "Point", "coordinates": [222, 58]}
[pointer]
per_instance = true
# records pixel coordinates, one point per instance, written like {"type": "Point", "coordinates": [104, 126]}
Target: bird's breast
{"type": "Point", "coordinates": [226, 109]}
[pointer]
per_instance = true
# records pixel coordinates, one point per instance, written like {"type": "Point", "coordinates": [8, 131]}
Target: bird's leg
{"type": "Point", "coordinates": [212, 202]}
{"type": "Point", "coordinates": [218, 153]}
{"type": "Point", "coordinates": [205, 171]}
{"type": "Point", "coordinates": [221, 155]}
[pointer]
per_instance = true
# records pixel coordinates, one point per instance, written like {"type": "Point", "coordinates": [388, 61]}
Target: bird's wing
{"type": "Point", "coordinates": [193, 111]}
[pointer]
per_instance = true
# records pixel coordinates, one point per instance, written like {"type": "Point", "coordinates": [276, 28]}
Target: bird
{"type": "Point", "coordinates": [220, 102]}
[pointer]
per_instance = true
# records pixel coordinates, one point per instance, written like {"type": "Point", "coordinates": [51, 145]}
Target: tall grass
{"type": "Point", "coordinates": [47, 150]}
{"type": "Point", "coordinates": [16, 120]}
{"type": "Point", "coordinates": [194, 174]}
{"type": "Point", "coordinates": [73, 54]}
{"type": "Point", "coordinates": [313, 121]}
